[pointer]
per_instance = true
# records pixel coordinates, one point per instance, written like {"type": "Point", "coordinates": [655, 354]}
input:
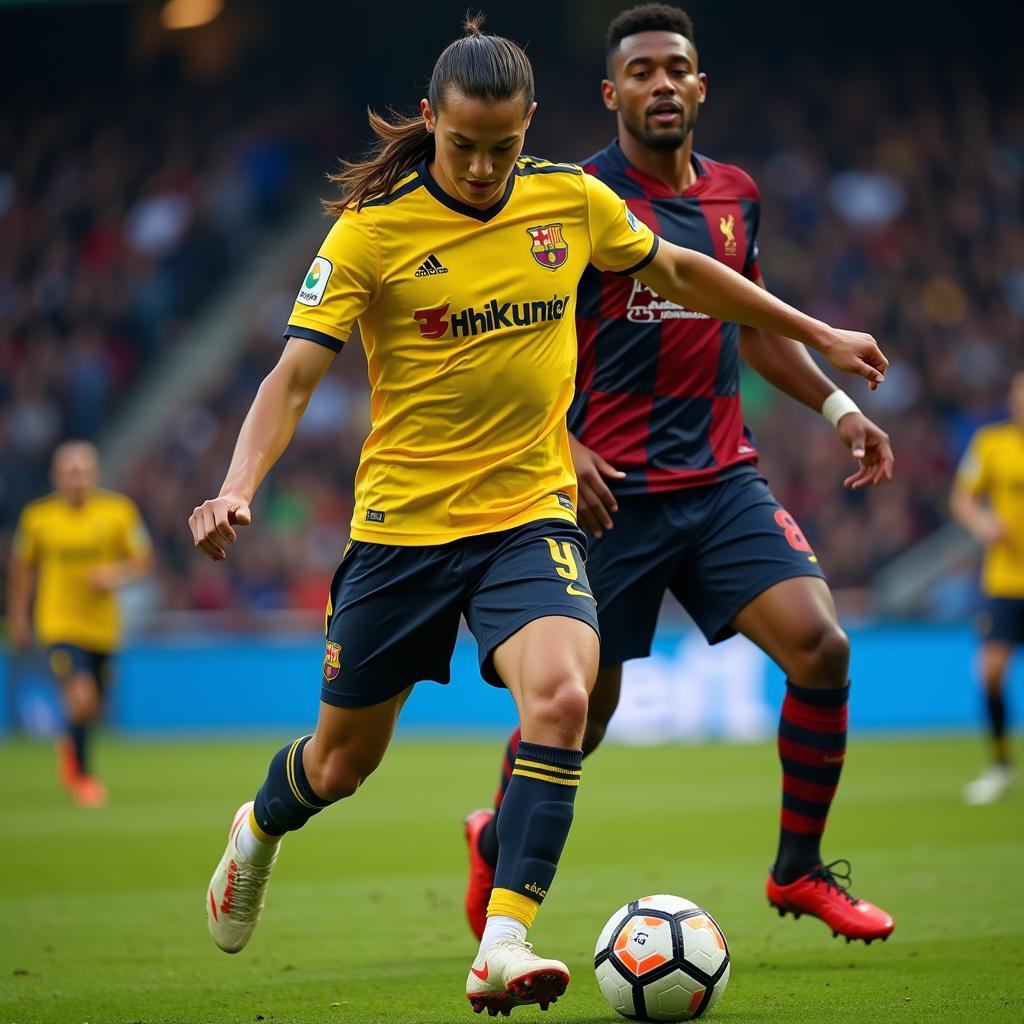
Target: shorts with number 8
{"type": "Point", "coordinates": [714, 547]}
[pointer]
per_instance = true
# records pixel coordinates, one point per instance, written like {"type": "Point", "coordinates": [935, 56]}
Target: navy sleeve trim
{"type": "Point", "coordinates": [335, 344]}
{"type": "Point", "coordinates": [643, 263]}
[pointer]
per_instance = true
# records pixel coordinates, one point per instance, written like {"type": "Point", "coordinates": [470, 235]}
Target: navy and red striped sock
{"type": "Point", "coordinates": [487, 842]}
{"type": "Point", "coordinates": [812, 747]}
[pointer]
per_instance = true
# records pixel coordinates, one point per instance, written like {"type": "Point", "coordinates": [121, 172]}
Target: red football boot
{"type": "Point", "coordinates": [481, 874]}
{"type": "Point", "coordinates": [824, 893]}
{"type": "Point", "coordinates": [89, 792]}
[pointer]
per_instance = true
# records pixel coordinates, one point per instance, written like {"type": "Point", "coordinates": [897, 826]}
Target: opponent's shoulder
{"type": "Point", "coordinates": [728, 179]}
{"type": "Point", "coordinates": [604, 163]}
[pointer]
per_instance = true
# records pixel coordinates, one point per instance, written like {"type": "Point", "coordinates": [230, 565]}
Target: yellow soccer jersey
{"type": "Point", "coordinates": [66, 544]}
{"type": "Point", "coordinates": [994, 468]}
{"type": "Point", "coordinates": [467, 317]}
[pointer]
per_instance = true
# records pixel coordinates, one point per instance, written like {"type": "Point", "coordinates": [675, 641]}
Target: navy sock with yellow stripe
{"type": "Point", "coordinates": [534, 821]}
{"type": "Point", "coordinates": [286, 800]}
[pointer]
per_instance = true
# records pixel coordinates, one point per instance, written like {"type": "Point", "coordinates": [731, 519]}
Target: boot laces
{"type": "Point", "coordinates": [249, 885]}
{"type": "Point", "coordinates": [834, 877]}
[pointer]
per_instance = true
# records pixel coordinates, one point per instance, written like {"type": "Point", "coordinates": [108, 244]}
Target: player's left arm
{"type": "Point", "coordinates": [788, 366]}
{"type": "Point", "coordinates": [701, 283]}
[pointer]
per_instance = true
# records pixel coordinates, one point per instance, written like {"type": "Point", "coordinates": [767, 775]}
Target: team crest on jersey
{"type": "Point", "coordinates": [549, 248]}
{"type": "Point", "coordinates": [727, 225]}
{"type": "Point", "coordinates": [332, 660]}
{"type": "Point", "coordinates": [646, 306]}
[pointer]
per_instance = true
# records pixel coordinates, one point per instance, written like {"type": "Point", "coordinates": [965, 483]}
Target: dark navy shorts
{"type": "Point", "coordinates": [1002, 619]}
{"type": "Point", "coordinates": [394, 610]}
{"type": "Point", "coordinates": [714, 547]}
{"type": "Point", "coordinates": [67, 660]}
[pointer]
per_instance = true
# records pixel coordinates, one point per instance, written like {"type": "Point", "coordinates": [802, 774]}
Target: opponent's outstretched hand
{"type": "Point", "coordinates": [213, 524]}
{"type": "Point", "coordinates": [869, 443]}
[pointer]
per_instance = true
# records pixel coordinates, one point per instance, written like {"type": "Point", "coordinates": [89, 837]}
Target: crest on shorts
{"type": "Point", "coordinates": [332, 660]}
{"type": "Point", "coordinates": [549, 248]}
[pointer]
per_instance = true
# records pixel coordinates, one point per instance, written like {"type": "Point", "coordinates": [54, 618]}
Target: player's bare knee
{"type": "Point", "coordinates": [829, 662]}
{"type": "Point", "coordinates": [559, 713]}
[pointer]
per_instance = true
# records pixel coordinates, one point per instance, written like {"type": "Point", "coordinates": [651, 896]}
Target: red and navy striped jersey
{"type": "Point", "coordinates": [657, 386]}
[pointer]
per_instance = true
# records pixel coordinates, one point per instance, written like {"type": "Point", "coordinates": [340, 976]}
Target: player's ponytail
{"type": "Point", "coordinates": [479, 66]}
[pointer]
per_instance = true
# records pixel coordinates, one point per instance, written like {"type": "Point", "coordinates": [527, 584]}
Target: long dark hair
{"type": "Point", "coordinates": [482, 67]}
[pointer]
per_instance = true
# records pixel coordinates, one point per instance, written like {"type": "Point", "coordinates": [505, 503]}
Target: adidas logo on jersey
{"type": "Point", "coordinates": [431, 266]}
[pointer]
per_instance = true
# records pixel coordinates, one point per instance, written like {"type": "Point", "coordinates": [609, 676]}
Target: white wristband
{"type": "Point", "coordinates": [837, 405]}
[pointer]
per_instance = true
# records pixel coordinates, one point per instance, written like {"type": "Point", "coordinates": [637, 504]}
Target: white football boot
{"type": "Point", "coordinates": [234, 901]}
{"type": "Point", "coordinates": [509, 974]}
{"type": "Point", "coordinates": [989, 786]}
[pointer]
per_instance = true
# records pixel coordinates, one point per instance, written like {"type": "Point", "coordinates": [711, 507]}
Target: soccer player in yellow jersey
{"type": "Point", "coordinates": [988, 500]}
{"type": "Point", "coordinates": [77, 546]}
{"type": "Point", "coordinates": [460, 260]}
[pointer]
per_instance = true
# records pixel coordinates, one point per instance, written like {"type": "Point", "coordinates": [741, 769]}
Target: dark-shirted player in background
{"type": "Point", "coordinates": [75, 547]}
{"type": "Point", "coordinates": [988, 501]}
{"type": "Point", "coordinates": [661, 453]}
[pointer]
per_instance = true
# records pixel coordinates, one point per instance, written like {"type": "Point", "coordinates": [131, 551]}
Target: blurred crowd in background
{"type": "Point", "coordinates": [892, 203]}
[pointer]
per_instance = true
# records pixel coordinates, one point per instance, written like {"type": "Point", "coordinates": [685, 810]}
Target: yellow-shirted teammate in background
{"type": "Point", "coordinates": [988, 500]}
{"type": "Point", "coordinates": [77, 545]}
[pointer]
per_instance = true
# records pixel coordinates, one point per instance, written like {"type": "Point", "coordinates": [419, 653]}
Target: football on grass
{"type": "Point", "coordinates": [662, 958]}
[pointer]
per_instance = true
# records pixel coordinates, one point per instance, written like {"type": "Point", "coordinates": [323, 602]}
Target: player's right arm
{"type": "Point", "coordinates": [266, 432]}
{"type": "Point", "coordinates": [341, 283]}
{"type": "Point", "coordinates": [20, 574]}
{"type": "Point", "coordinates": [966, 498]}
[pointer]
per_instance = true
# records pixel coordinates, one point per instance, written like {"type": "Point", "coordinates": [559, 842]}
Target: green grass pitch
{"type": "Point", "coordinates": [101, 912]}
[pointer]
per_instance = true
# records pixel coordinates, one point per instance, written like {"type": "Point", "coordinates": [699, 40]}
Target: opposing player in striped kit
{"type": "Point", "coordinates": [662, 455]}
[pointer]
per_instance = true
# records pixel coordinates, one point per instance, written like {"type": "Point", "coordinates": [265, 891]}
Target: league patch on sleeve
{"type": "Point", "coordinates": [632, 221]}
{"type": "Point", "coordinates": [315, 282]}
